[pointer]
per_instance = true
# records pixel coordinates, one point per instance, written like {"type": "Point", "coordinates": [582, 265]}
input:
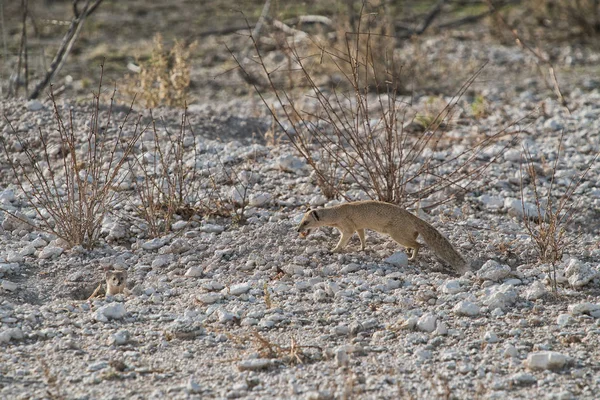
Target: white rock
{"type": "Point", "coordinates": [116, 231]}
{"type": "Point", "coordinates": [293, 269]}
{"type": "Point", "coordinates": [493, 271]}
{"type": "Point", "coordinates": [110, 311]}
{"type": "Point", "coordinates": [14, 257]}
{"type": "Point", "coordinates": [398, 260]}
{"type": "Point", "coordinates": [209, 298]}
{"type": "Point", "coordinates": [565, 320]}
{"type": "Point", "coordinates": [240, 288]}
{"type": "Point", "coordinates": [238, 195]}
{"type": "Point", "coordinates": [289, 163]}
{"type": "Point", "coordinates": [320, 295]}
{"type": "Point", "coordinates": [502, 296]}
{"type": "Point", "coordinates": [523, 378]}
{"type": "Point", "coordinates": [213, 285]}
{"type": "Point", "coordinates": [194, 272]}
{"type": "Point", "coordinates": [212, 228]}
{"type": "Point", "coordinates": [427, 323]}
{"type": "Point", "coordinates": [34, 105]}
{"type": "Point", "coordinates": [341, 357]}
{"type": "Point", "coordinates": [160, 262]}
{"type": "Point", "coordinates": [510, 351]}
{"type": "Point", "coordinates": [490, 337]}
{"type": "Point", "coordinates": [225, 316]}
{"type": "Point", "coordinates": [423, 354]}
{"type": "Point", "coordinates": [535, 291]}
{"type": "Point", "coordinates": [451, 286]}
{"type": "Point", "coordinates": [259, 199]}
{"type": "Point", "coordinates": [50, 252]}
{"type": "Point", "coordinates": [97, 366]}
{"type": "Point", "coordinates": [317, 200]}
{"type": "Point", "coordinates": [255, 364]}
{"type": "Point", "coordinates": [441, 328]}
{"type": "Point", "coordinates": [585, 308]}
{"type": "Point", "coordinates": [546, 360]}
{"type": "Point", "coordinates": [553, 124]}
{"type": "Point", "coordinates": [579, 274]}
{"type": "Point", "coordinates": [11, 333]}
{"type": "Point", "coordinates": [28, 250]}
{"type": "Point", "coordinates": [39, 242]}
{"type": "Point", "coordinates": [192, 387]}
{"type": "Point", "coordinates": [179, 225]}
{"type": "Point", "coordinates": [513, 155]}
{"type": "Point", "coordinates": [7, 196]}
{"type": "Point", "coordinates": [516, 208]}
{"type": "Point", "coordinates": [409, 323]}
{"type": "Point", "coordinates": [341, 330]}
{"type": "Point", "coordinates": [154, 244]}
{"type": "Point", "coordinates": [120, 338]}
{"type": "Point", "coordinates": [491, 202]}
{"type": "Point", "coordinates": [467, 308]}
{"type": "Point", "coordinates": [352, 267]}
{"type": "Point", "coordinates": [9, 286]}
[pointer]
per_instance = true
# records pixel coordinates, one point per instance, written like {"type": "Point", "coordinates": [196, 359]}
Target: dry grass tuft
{"type": "Point", "coordinates": [164, 79]}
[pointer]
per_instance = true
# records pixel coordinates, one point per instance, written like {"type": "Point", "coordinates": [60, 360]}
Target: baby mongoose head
{"type": "Point", "coordinates": [115, 282]}
{"type": "Point", "coordinates": [310, 221]}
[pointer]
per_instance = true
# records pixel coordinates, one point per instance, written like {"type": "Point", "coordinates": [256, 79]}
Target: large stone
{"type": "Point", "coordinates": [546, 360]}
{"type": "Point", "coordinates": [493, 271]}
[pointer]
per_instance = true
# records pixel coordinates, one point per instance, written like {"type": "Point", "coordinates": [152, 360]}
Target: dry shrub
{"type": "Point", "coordinates": [578, 17]}
{"type": "Point", "coordinates": [369, 40]}
{"type": "Point", "coordinates": [545, 20]}
{"type": "Point", "coordinates": [70, 176]}
{"type": "Point", "coordinates": [166, 184]}
{"type": "Point", "coordinates": [359, 136]}
{"type": "Point", "coordinates": [548, 222]}
{"type": "Point", "coordinates": [163, 79]}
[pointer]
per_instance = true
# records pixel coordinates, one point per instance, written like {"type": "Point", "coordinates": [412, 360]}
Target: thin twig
{"type": "Point", "coordinates": [67, 44]}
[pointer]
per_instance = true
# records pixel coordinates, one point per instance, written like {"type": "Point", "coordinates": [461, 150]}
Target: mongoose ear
{"type": "Point", "coordinates": [315, 215]}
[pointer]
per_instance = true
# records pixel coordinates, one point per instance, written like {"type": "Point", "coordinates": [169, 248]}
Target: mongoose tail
{"type": "Point", "coordinates": [441, 246]}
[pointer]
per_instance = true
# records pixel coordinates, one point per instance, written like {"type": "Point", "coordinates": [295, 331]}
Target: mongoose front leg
{"type": "Point", "coordinates": [346, 235]}
{"type": "Point", "coordinates": [361, 236]}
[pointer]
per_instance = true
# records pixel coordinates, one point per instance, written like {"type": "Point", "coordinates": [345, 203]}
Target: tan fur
{"type": "Point", "coordinates": [389, 219]}
{"type": "Point", "coordinates": [116, 282]}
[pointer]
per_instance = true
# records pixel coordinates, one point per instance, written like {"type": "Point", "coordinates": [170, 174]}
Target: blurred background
{"type": "Point", "coordinates": [434, 46]}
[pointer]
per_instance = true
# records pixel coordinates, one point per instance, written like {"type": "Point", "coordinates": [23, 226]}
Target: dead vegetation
{"type": "Point", "coordinates": [548, 219]}
{"type": "Point", "coordinates": [358, 132]}
{"type": "Point", "coordinates": [68, 175]}
{"type": "Point", "coordinates": [163, 79]}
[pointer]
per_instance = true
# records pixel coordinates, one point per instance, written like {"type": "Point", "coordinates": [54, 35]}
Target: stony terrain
{"type": "Point", "coordinates": [221, 310]}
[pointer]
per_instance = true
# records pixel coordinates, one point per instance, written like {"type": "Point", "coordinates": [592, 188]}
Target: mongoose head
{"type": "Point", "coordinates": [310, 221]}
{"type": "Point", "coordinates": [115, 281]}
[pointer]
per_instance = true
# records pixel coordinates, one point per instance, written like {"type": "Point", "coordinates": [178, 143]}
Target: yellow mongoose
{"type": "Point", "coordinates": [386, 218]}
{"type": "Point", "coordinates": [116, 282]}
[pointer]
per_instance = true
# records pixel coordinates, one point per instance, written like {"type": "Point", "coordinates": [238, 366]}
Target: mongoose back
{"type": "Point", "coordinates": [401, 225]}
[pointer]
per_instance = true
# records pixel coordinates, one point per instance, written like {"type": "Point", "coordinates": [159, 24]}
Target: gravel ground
{"type": "Point", "coordinates": [221, 310]}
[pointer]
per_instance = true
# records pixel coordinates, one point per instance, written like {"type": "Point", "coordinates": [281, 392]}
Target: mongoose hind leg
{"type": "Point", "coordinates": [408, 240]}
{"type": "Point", "coordinates": [361, 236]}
